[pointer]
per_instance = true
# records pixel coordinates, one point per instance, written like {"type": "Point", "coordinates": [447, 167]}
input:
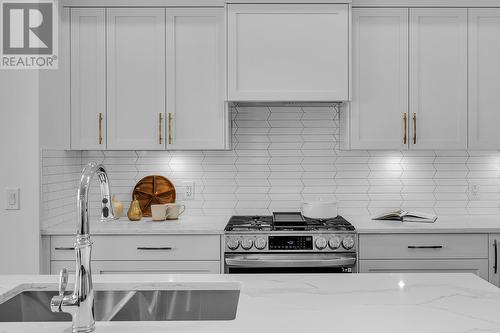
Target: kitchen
{"type": "Point", "coordinates": [245, 113]}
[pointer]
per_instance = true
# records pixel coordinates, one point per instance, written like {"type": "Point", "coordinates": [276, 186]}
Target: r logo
{"type": "Point", "coordinates": [27, 28]}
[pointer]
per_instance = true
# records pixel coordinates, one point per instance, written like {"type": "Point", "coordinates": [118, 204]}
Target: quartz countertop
{"type": "Point", "coordinates": [183, 225]}
{"type": "Point", "coordinates": [216, 224]}
{"type": "Point", "coordinates": [444, 224]}
{"type": "Point", "coordinates": [301, 303]}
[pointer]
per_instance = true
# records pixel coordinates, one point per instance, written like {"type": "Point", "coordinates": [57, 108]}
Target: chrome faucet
{"type": "Point", "coordinates": [80, 304]}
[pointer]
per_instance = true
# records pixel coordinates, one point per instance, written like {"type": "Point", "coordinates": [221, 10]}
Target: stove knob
{"type": "Point", "coordinates": [334, 243]}
{"type": "Point", "coordinates": [260, 243]}
{"type": "Point", "coordinates": [233, 243]}
{"type": "Point", "coordinates": [348, 242]}
{"type": "Point", "coordinates": [247, 243]}
{"type": "Point", "coordinates": [320, 243]}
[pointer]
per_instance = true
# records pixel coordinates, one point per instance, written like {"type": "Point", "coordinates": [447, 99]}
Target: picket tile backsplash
{"type": "Point", "coordinates": [283, 155]}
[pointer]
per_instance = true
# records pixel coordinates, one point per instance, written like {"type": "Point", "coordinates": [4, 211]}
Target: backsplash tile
{"type": "Point", "coordinates": [283, 155]}
{"type": "Point", "coordinates": [60, 174]}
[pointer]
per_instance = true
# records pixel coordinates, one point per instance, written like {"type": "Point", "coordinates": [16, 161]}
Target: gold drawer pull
{"type": "Point", "coordinates": [160, 134]}
{"type": "Point", "coordinates": [405, 124]}
{"type": "Point", "coordinates": [100, 129]}
{"type": "Point", "coordinates": [414, 128]}
{"type": "Point", "coordinates": [170, 128]}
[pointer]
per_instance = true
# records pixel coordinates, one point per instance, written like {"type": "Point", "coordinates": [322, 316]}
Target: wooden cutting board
{"type": "Point", "coordinates": [153, 190]}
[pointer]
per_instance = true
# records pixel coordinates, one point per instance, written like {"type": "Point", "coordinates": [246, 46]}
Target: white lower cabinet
{"type": "Point", "coordinates": [476, 266]}
{"type": "Point", "coordinates": [424, 253]}
{"type": "Point", "coordinates": [148, 254]}
{"type": "Point", "coordinates": [494, 244]}
{"type": "Point", "coordinates": [423, 246]}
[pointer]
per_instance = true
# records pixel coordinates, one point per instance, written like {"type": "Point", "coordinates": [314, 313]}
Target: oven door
{"type": "Point", "coordinates": [275, 263]}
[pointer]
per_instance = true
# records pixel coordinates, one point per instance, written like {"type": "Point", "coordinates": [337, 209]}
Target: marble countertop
{"type": "Point", "coordinates": [301, 303]}
{"type": "Point", "coordinates": [184, 225]}
{"type": "Point", "coordinates": [216, 224]}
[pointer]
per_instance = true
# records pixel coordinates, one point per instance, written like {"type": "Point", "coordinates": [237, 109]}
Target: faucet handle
{"type": "Point", "coordinates": [63, 281]}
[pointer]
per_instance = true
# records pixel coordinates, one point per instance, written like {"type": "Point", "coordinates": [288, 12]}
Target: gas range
{"type": "Point", "coordinates": [288, 243]}
{"type": "Point", "coordinates": [266, 223]}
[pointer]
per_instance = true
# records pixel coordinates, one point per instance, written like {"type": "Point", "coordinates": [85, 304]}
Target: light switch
{"type": "Point", "coordinates": [12, 198]}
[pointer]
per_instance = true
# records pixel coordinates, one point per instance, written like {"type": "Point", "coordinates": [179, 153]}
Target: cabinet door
{"type": "Point", "coordinates": [438, 78]}
{"type": "Point", "coordinates": [494, 269]}
{"type": "Point", "coordinates": [136, 78]}
{"type": "Point", "coordinates": [288, 52]}
{"type": "Point", "coordinates": [484, 78]}
{"type": "Point", "coordinates": [380, 78]}
{"type": "Point", "coordinates": [145, 247]}
{"type": "Point", "coordinates": [88, 78]}
{"type": "Point", "coordinates": [422, 246]}
{"type": "Point", "coordinates": [475, 266]}
{"type": "Point", "coordinates": [196, 114]}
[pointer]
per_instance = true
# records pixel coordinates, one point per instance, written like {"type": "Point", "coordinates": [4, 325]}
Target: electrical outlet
{"type": "Point", "coordinates": [12, 198]}
{"type": "Point", "coordinates": [189, 190]}
{"type": "Point", "coordinates": [474, 191]}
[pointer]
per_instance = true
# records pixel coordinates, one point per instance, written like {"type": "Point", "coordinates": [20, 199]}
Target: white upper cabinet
{"type": "Point", "coordinates": [438, 78]}
{"type": "Point", "coordinates": [196, 114]}
{"type": "Point", "coordinates": [379, 104]}
{"type": "Point", "coordinates": [288, 52]}
{"type": "Point", "coordinates": [484, 78]}
{"type": "Point", "coordinates": [136, 78]}
{"type": "Point", "coordinates": [88, 78]}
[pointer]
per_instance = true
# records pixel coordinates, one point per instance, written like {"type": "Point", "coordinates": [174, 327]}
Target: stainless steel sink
{"type": "Point", "coordinates": [141, 305]}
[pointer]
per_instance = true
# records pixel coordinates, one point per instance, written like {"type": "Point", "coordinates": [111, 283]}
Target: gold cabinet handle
{"type": "Point", "coordinates": [414, 128]}
{"type": "Point", "coordinates": [170, 128]}
{"type": "Point", "coordinates": [405, 124]}
{"type": "Point", "coordinates": [100, 129]}
{"type": "Point", "coordinates": [160, 134]}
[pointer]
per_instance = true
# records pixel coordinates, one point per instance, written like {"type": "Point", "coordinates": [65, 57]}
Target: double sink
{"type": "Point", "coordinates": [130, 305]}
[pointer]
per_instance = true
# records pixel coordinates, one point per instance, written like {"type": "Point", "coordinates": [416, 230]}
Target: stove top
{"type": "Point", "coordinates": [263, 223]}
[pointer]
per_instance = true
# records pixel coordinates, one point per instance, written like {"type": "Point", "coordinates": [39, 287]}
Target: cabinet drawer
{"type": "Point", "coordinates": [423, 246]}
{"type": "Point", "coordinates": [475, 266]}
{"type": "Point", "coordinates": [142, 267]}
{"type": "Point", "coordinates": [145, 247]}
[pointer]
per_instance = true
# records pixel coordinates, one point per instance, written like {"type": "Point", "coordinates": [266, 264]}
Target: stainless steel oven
{"type": "Point", "coordinates": [276, 263]}
{"type": "Point", "coordinates": [260, 245]}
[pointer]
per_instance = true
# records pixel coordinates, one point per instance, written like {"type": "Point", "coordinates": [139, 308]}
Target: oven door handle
{"type": "Point", "coordinates": [262, 262]}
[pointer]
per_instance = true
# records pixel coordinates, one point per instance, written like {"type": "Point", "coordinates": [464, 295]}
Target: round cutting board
{"type": "Point", "coordinates": [153, 190]}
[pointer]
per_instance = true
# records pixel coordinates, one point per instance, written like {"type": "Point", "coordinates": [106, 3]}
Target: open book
{"type": "Point", "coordinates": [404, 216]}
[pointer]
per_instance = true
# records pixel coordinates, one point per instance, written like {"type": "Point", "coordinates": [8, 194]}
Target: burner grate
{"type": "Point", "coordinates": [265, 223]}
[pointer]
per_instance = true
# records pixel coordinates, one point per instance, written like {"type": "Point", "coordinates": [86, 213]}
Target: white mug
{"type": "Point", "coordinates": [159, 212]}
{"type": "Point", "coordinates": [174, 210]}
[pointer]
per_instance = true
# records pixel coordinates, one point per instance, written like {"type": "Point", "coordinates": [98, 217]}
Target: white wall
{"type": "Point", "coordinates": [34, 113]}
{"type": "Point", "coordinates": [19, 167]}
